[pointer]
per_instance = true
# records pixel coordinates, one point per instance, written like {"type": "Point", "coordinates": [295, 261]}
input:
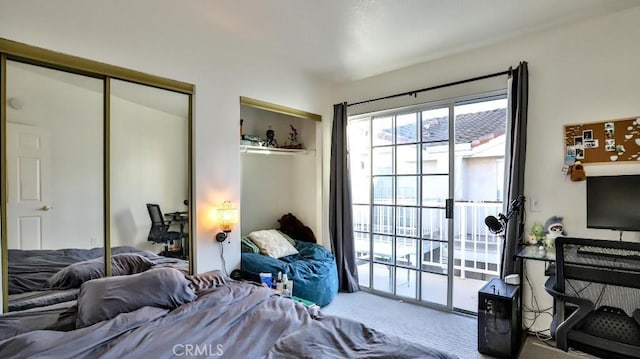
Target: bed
{"type": "Point", "coordinates": [201, 315]}
{"type": "Point", "coordinates": [30, 272]}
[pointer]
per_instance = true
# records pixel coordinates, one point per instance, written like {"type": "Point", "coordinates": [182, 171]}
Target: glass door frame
{"type": "Point", "coordinates": [449, 209]}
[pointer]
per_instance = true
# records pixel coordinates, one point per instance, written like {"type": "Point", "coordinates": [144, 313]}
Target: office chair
{"type": "Point", "coordinates": [159, 232]}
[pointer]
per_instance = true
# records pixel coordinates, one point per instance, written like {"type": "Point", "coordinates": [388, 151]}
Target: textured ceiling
{"type": "Point", "coordinates": [351, 39]}
{"type": "Point", "coordinates": [338, 40]}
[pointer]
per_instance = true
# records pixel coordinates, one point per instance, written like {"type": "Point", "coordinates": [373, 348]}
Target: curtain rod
{"type": "Point", "coordinates": [415, 92]}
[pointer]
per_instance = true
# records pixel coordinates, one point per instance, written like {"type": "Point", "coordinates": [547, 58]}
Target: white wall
{"type": "Point", "coordinates": [266, 190]}
{"type": "Point", "coordinates": [145, 36]}
{"type": "Point", "coordinates": [580, 73]}
{"type": "Point", "coordinates": [274, 185]}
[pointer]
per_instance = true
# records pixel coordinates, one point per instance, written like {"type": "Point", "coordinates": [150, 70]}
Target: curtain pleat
{"type": "Point", "coordinates": [518, 94]}
{"type": "Point", "coordinates": [340, 207]}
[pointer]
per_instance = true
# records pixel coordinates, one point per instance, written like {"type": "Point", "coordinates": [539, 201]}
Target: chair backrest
{"type": "Point", "coordinates": [158, 227]}
{"type": "Point", "coordinates": [157, 219]}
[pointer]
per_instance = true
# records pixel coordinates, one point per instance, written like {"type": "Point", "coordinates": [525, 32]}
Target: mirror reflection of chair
{"type": "Point", "coordinates": [160, 233]}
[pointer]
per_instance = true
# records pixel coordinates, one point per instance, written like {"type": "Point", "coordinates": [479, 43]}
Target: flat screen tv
{"type": "Point", "coordinates": [613, 202]}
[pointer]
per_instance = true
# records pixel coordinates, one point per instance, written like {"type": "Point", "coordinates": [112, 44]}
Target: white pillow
{"type": "Point", "coordinates": [272, 243]}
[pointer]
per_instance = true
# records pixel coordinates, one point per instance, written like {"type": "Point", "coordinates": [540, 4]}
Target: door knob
{"type": "Point", "coordinates": [44, 208]}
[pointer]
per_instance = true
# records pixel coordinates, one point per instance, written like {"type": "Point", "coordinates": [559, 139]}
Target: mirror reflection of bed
{"type": "Point", "coordinates": [57, 183]}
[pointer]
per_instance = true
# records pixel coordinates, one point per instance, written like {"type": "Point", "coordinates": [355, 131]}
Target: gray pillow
{"type": "Point", "coordinates": [129, 263]}
{"type": "Point", "coordinates": [207, 281]}
{"type": "Point", "coordinates": [105, 298]}
{"type": "Point", "coordinates": [73, 275]}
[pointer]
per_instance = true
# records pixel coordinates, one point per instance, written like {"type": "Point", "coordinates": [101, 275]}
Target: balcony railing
{"type": "Point", "coordinates": [422, 242]}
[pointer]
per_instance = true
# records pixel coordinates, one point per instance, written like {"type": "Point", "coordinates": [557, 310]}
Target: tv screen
{"type": "Point", "coordinates": [613, 202]}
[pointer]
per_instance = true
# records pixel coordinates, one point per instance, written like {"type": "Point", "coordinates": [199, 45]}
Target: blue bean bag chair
{"type": "Point", "coordinates": [313, 271]}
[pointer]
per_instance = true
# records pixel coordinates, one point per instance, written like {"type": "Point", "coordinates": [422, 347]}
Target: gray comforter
{"type": "Point", "coordinates": [29, 269]}
{"type": "Point", "coordinates": [236, 320]}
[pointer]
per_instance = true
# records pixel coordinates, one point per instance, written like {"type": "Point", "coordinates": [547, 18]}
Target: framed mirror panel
{"type": "Point", "coordinates": [55, 179]}
{"type": "Point", "coordinates": [93, 157]}
{"type": "Point", "coordinates": [149, 171]}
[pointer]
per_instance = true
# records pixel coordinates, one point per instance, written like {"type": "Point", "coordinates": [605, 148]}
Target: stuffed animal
{"type": "Point", "coordinates": [577, 172]}
{"type": "Point", "coordinates": [553, 228]}
{"type": "Point", "coordinates": [294, 228]}
{"type": "Point", "coordinates": [537, 234]}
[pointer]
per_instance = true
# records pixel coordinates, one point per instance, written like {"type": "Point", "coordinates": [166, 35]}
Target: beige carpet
{"type": "Point", "coordinates": [449, 332]}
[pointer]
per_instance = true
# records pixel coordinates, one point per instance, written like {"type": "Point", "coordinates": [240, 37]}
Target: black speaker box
{"type": "Point", "coordinates": [499, 320]}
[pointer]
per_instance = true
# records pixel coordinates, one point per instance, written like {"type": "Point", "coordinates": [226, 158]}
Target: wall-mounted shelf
{"type": "Point", "coordinates": [272, 150]}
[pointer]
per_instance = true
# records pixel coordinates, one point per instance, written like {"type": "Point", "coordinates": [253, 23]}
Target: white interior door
{"type": "Point", "coordinates": [29, 186]}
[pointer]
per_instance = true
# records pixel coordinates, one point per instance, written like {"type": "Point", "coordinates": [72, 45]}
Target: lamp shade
{"type": "Point", "coordinates": [227, 216]}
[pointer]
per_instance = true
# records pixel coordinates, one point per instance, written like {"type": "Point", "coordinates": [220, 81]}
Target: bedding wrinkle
{"type": "Point", "coordinates": [237, 320]}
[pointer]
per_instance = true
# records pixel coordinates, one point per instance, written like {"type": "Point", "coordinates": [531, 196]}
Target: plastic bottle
{"type": "Point", "coordinates": [286, 291]}
{"type": "Point", "coordinates": [279, 283]}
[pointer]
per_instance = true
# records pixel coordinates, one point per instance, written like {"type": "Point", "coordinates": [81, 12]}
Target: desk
{"type": "Point", "coordinates": [536, 253]}
{"type": "Point", "coordinates": [181, 219]}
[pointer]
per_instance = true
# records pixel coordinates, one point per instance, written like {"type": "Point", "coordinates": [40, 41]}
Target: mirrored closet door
{"type": "Point", "coordinates": [95, 162]}
{"type": "Point", "coordinates": [54, 178]}
{"type": "Point", "coordinates": [149, 176]}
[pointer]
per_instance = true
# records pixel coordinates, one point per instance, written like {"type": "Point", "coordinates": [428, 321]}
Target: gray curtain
{"type": "Point", "coordinates": [518, 93]}
{"type": "Point", "coordinates": [340, 216]}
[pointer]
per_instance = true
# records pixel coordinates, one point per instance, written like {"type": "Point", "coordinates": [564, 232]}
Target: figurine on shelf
{"type": "Point", "coordinates": [270, 140]}
{"type": "Point", "coordinates": [292, 141]}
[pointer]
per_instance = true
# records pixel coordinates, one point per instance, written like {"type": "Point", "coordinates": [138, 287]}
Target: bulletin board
{"type": "Point", "coordinates": [607, 141]}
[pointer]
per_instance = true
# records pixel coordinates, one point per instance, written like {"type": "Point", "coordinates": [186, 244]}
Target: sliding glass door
{"type": "Point", "coordinates": [478, 157]}
{"type": "Point", "coordinates": [414, 176]}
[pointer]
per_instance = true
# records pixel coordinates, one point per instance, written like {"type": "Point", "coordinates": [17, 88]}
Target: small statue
{"type": "Point", "coordinates": [554, 228]}
{"type": "Point", "coordinates": [292, 142]}
{"type": "Point", "coordinates": [270, 140]}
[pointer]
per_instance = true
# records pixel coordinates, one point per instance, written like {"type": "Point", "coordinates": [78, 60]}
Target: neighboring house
{"type": "Point", "coordinates": [479, 156]}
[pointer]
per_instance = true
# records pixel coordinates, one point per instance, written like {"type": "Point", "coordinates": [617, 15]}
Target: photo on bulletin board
{"type": "Point", "coordinates": [577, 141]}
{"type": "Point", "coordinates": [607, 141]}
{"type": "Point", "coordinates": [591, 144]}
